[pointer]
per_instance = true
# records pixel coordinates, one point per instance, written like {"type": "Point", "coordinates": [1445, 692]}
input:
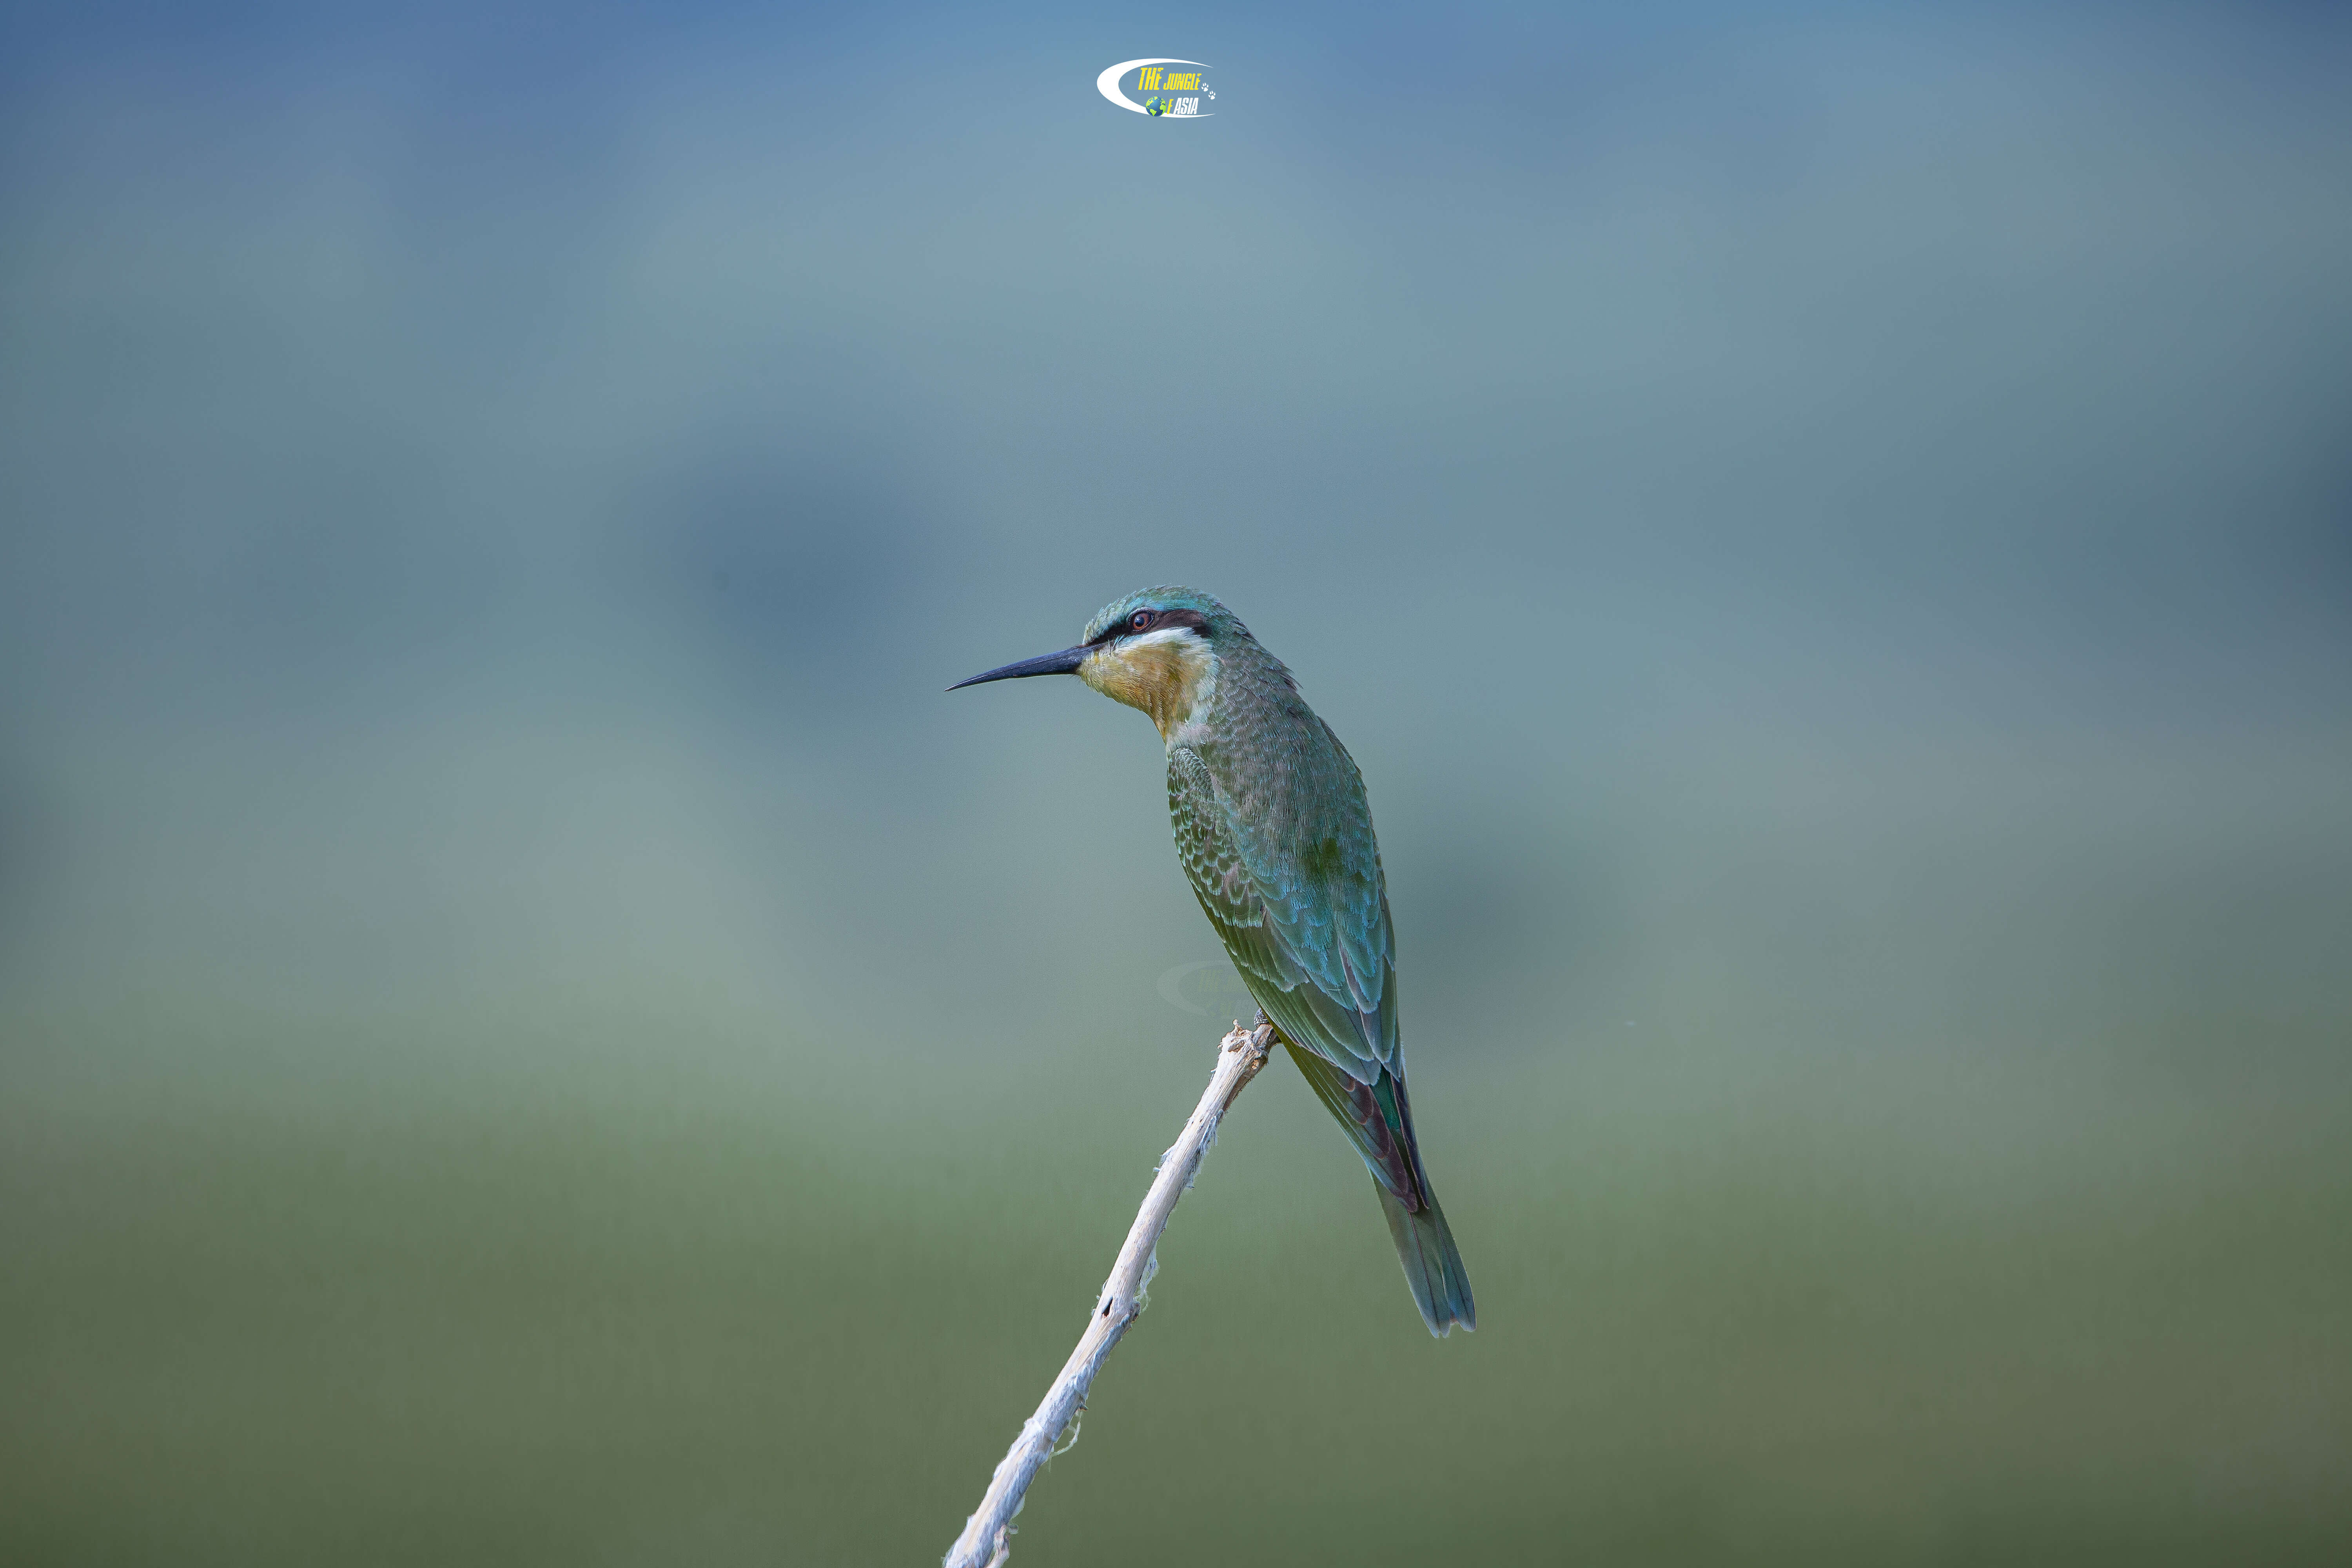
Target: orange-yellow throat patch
{"type": "Point", "coordinates": [1168, 673]}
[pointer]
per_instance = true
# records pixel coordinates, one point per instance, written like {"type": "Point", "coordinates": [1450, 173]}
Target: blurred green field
{"type": "Point", "coordinates": [1798, 1309]}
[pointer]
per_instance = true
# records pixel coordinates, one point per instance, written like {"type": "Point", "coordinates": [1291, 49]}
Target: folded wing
{"type": "Point", "coordinates": [1306, 921]}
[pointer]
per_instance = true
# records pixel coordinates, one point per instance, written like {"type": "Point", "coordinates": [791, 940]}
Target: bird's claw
{"type": "Point", "coordinates": [1245, 1037]}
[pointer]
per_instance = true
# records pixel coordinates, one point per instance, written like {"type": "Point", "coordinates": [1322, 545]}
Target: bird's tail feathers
{"type": "Point", "coordinates": [1433, 1264]}
{"type": "Point", "coordinates": [1378, 1118]}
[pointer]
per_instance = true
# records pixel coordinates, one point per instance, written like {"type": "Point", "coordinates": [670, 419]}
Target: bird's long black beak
{"type": "Point", "coordinates": [1065, 662]}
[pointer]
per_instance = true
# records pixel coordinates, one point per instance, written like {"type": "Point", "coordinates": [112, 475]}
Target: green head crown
{"type": "Point", "coordinates": [1163, 608]}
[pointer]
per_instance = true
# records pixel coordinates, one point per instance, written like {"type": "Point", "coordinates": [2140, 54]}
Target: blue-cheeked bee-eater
{"type": "Point", "coordinates": [1277, 837]}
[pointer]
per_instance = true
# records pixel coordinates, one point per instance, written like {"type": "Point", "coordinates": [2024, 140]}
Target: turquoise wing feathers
{"type": "Point", "coordinates": [1309, 931]}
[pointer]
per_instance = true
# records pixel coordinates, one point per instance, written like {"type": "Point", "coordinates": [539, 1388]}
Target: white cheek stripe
{"type": "Point", "coordinates": [1159, 638]}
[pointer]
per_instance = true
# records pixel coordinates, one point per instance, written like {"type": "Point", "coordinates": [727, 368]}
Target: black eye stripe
{"type": "Point", "coordinates": [1153, 620]}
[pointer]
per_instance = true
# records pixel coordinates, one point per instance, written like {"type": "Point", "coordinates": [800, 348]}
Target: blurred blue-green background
{"type": "Point", "coordinates": [531, 1031]}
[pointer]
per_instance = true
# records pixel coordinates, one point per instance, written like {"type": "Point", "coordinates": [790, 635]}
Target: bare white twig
{"type": "Point", "coordinates": [986, 1539]}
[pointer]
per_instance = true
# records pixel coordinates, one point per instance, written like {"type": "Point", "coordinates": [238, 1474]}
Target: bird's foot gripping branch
{"type": "Point", "coordinates": [986, 1541]}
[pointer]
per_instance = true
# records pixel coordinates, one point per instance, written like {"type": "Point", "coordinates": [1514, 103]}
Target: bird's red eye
{"type": "Point", "coordinates": [1140, 619]}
